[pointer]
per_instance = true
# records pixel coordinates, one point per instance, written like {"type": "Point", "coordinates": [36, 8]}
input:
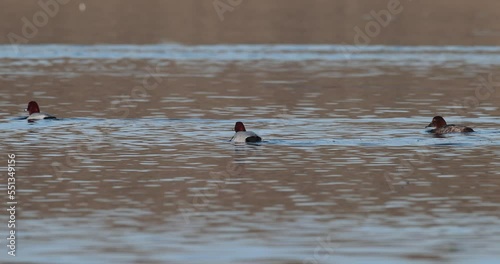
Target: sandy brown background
{"type": "Point", "coordinates": [425, 22]}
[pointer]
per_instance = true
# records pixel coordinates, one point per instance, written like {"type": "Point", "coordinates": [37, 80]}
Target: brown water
{"type": "Point", "coordinates": [138, 167]}
{"type": "Point", "coordinates": [416, 22]}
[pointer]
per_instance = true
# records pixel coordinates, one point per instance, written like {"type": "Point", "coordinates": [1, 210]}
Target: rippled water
{"type": "Point", "coordinates": [138, 167]}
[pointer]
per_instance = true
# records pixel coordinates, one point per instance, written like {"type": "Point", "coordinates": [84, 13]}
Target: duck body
{"type": "Point", "coordinates": [246, 137]}
{"type": "Point", "coordinates": [39, 116]}
{"type": "Point", "coordinates": [451, 129]}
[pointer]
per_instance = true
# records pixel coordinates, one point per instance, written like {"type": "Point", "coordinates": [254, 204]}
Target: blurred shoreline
{"type": "Point", "coordinates": [348, 22]}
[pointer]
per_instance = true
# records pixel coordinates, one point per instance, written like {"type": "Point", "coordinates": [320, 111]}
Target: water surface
{"type": "Point", "coordinates": [138, 169]}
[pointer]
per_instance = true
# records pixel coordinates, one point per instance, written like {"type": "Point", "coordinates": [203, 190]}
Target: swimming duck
{"type": "Point", "coordinates": [34, 112]}
{"type": "Point", "coordinates": [440, 127]}
{"type": "Point", "coordinates": [244, 136]}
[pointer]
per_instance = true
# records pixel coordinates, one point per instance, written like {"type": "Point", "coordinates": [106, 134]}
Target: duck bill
{"type": "Point", "coordinates": [429, 125]}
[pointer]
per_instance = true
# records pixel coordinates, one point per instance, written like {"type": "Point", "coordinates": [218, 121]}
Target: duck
{"type": "Point", "coordinates": [440, 127]}
{"type": "Point", "coordinates": [34, 112]}
{"type": "Point", "coordinates": [244, 136]}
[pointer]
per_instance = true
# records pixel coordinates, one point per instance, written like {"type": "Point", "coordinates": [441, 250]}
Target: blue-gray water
{"type": "Point", "coordinates": [138, 167]}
